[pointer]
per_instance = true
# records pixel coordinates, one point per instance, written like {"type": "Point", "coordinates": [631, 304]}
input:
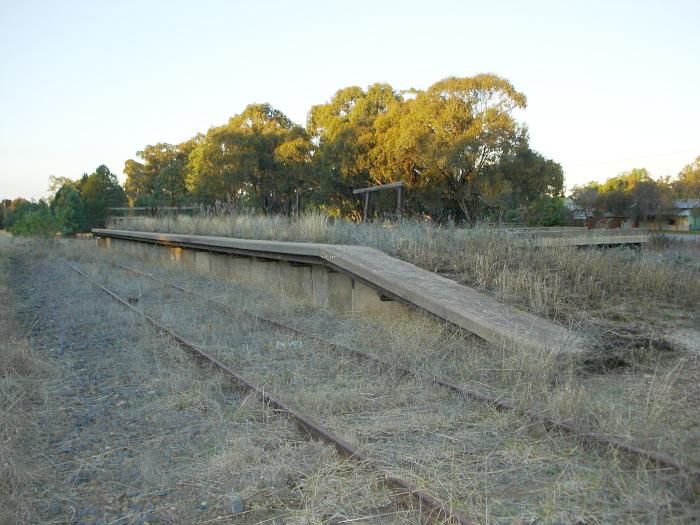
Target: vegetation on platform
{"type": "Point", "coordinates": [556, 282]}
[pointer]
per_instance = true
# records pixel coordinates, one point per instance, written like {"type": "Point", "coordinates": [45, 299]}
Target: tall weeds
{"type": "Point", "coordinates": [560, 283]}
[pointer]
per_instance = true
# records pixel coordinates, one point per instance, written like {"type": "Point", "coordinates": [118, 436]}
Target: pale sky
{"type": "Point", "coordinates": [610, 85]}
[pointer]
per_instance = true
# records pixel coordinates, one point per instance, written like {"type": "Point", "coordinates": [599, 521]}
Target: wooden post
{"type": "Point", "coordinates": [399, 202]}
{"type": "Point", "coordinates": [297, 204]}
{"type": "Point", "coordinates": [366, 191]}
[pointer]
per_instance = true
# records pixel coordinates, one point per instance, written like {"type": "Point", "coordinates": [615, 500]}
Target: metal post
{"type": "Point", "coordinates": [298, 203]}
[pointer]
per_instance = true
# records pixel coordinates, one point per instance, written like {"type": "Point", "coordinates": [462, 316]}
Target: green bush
{"type": "Point", "coordinates": [34, 220]}
{"type": "Point", "coordinates": [547, 211]}
{"type": "Point", "coordinates": [69, 210]}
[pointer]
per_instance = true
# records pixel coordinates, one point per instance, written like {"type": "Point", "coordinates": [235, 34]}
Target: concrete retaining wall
{"type": "Point", "coordinates": [313, 283]}
{"type": "Point", "coordinates": [350, 278]}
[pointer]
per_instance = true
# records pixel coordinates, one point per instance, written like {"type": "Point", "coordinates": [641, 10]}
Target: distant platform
{"type": "Point", "coordinates": [577, 236]}
{"type": "Point", "coordinates": [683, 236]}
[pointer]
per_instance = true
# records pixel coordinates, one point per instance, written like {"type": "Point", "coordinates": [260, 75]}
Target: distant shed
{"type": "Point", "coordinates": [683, 216]}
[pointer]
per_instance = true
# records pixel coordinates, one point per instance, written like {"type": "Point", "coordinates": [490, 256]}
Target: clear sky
{"type": "Point", "coordinates": [610, 85]}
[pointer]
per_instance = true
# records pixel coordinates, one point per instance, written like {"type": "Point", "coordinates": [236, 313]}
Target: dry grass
{"type": "Point", "coordinates": [581, 287]}
{"type": "Point", "coordinates": [641, 402]}
{"type": "Point", "coordinates": [22, 377]}
{"type": "Point", "coordinates": [129, 430]}
{"type": "Point", "coordinates": [496, 466]}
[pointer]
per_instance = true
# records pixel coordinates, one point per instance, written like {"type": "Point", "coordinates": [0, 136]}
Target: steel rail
{"type": "Point", "coordinates": [437, 509]}
{"type": "Point", "coordinates": [657, 458]}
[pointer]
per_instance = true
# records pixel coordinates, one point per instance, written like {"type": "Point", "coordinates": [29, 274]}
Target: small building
{"type": "Point", "coordinates": [683, 216]}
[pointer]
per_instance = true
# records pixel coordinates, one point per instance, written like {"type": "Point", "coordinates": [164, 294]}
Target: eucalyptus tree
{"type": "Point", "coordinates": [348, 155]}
{"type": "Point", "coordinates": [587, 199]}
{"type": "Point", "coordinates": [687, 185]}
{"type": "Point", "coordinates": [634, 194]}
{"type": "Point", "coordinates": [449, 134]}
{"type": "Point", "coordinates": [260, 156]}
{"type": "Point", "coordinates": [159, 178]}
{"type": "Point", "coordinates": [519, 181]}
{"type": "Point", "coordinates": [619, 195]}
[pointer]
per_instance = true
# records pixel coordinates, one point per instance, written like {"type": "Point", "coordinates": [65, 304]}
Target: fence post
{"type": "Point", "coordinates": [399, 202]}
{"type": "Point", "coordinates": [366, 192]}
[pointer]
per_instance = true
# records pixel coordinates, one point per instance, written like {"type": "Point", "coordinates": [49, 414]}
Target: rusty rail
{"type": "Point", "coordinates": [436, 509]}
{"type": "Point", "coordinates": [657, 458]}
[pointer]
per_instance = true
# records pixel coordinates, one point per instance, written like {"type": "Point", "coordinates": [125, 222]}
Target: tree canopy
{"type": "Point", "coordinates": [450, 134]}
{"type": "Point", "coordinates": [348, 154]}
{"type": "Point", "coordinates": [456, 145]}
{"type": "Point", "coordinates": [159, 178]}
{"type": "Point", "coordinates": [633, 193]}
{"type": "Point", "coordinates": [74, 206]}
{"type": "Point", "coordinates": [100, 190]}
{"type": "Point", "coordinates": [260, 156]}
{"type": "Point", "coordinates": [687, 186]}
{"type": "Point", "coordinates": [68, 208]}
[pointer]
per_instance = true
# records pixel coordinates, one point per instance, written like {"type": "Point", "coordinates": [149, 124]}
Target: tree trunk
{"type": "Point", "coordinates": [465, 210]}
{"type": "Point", "coordinates": [456, 188]}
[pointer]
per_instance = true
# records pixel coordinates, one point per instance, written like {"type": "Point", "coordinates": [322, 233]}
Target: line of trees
{"type": "Point", "coordinates": [456, 145]}
{"type": "Point", "coordinates": [635, 194]}
{"type": "Point", "coordinates": [74, 206]}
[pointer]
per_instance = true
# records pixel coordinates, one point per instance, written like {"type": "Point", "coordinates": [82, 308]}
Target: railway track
{"type": "Point", "coordinates": [658, 459]}
{"type": "Point", "coordinates": [450, 449]}
{"type": "Point", "coordinates": [433, 508]}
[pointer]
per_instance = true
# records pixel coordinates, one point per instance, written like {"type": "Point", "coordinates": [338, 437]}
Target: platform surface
{"type": "Point", "coordinates": [576, 236]}
{"type": "Point", "coordinates": [465, 307]}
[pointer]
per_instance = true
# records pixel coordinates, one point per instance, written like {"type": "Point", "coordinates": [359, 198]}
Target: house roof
{"type": "Point", "coordinates": [686, 204]}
